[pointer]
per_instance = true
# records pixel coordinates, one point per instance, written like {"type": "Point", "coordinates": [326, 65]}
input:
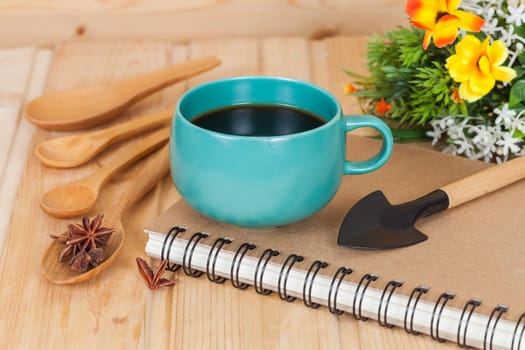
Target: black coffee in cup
{"type": "Point", "coordinates": [258, 120]}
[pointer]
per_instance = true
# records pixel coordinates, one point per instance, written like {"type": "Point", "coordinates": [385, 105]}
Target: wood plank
{"type": "Point", "coordinates": [109, 309]}
{"type": "Point", "coordinates": [293, 50]}
{"type": "Point", "coordinates": [239, 56]}
{"type": "Point", "coordinates": [15, 67]}
{"type": "Point", "coordinates": [329, 58]}
{"type": "Point", "coordinates": [47, 22]}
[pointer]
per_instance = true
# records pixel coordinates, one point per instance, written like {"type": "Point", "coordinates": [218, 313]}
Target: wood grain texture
{"type": "Point", "coordinates": [484, 182]}
{"type": "Point", "coordinates": [94, 307]}
{"type": "Point", "coordinates": [17, 138]}
{"type": "Point", "coordinates": [46, 22]}
{"type": "Point", "coordinates": [339, 53]}
{"type": "Point", "coordinates": [117, 310]}
{"type": "Point", "coordinates": [15, 69]}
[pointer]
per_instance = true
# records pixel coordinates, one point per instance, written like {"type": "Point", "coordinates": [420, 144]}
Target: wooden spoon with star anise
{"type": "Point", "coordinates": [148, 175]}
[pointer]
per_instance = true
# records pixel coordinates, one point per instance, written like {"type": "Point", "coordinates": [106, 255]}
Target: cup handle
{"type": "Point", "coordinates": [369, 165]}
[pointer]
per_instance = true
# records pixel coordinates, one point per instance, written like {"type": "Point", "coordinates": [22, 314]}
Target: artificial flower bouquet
{"type": "Point", "coordinates": [457, 76]}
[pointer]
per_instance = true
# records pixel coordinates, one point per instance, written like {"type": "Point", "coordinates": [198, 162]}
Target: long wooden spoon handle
{"type": "Point", "coordinates": [485, 181]}
{"type": "Point", "coordinates": [128, 154]}
{"type": "Point", "coordinates": [133, 127]}
{"type": "Point", "coordinates": [149, 83]}
{"type": "Point", "coordinates": [151, 170]}
{"type": "Point", "coordinates": [137, 185]}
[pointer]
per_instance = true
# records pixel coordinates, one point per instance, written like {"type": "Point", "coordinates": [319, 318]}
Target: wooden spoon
{"type": "Point", "coordinates": [88, 107]}
{"type": "Point", "coordinates": [74, 150]}
{"type": "Point", "coordinates": [78, 197]}
{"type": "Point", "coordinates": [149, 174]}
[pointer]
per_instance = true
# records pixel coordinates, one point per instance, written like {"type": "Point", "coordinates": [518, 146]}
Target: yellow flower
{"type": "Point", "coordinates": [349, 88]}
{"type": "Point", "coordinates": [441, 19]}
{"type": "Point", "coordinates": [477, 66]}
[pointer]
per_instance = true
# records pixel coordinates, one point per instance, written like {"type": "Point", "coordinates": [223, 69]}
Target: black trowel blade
{"type": "Point", "coordinates": [368, 225]}
{"type": "Point", "coordinates": [381, 238]}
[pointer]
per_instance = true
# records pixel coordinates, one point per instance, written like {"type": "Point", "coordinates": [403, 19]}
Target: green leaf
{"type": "Point", "coordinates": [521, 58]}
{"type": "Point", "coordinates": [518, 134]}
{"type": "Point", "coordinates": [408, 135]}
{"type": "Point", "coordinates": [517, 93]}
{"type": "Point", "coordinates": [519, 30]}
{"type": "Point", "coordinates": [520, 72]}
{"type": "Point", "coordinates": [355, 75]}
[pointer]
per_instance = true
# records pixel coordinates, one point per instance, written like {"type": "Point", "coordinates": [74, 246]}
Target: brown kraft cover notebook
{"type": "Point", "coordinates": [475, 253]}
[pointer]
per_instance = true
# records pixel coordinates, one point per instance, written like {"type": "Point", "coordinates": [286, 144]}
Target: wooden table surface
{"type": "Point", "coordinates": [116, 310]}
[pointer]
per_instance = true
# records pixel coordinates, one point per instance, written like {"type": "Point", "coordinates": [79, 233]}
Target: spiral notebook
{"type": "Point", "coordinates": [465, 284]}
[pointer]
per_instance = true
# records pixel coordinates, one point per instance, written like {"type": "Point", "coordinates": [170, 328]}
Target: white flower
{"type": "Point", "coordinates": [435, 134]}
{"type": "Point", "coordinates": [508, 144]}
{"type": "Point", "coordinates": [507, 35]}
{"type": "Point", "coordinates": [451, 149]}
{"type": "Point", "coordinates": [449, 121]}
{"type": "Point", "coordinates": [491, 27]}
{"type": "Point", "coordinates": [505, 115]}
{"type": "Point", "coordinates": [442, 123]}
{"type": "Point", "coordinates": [518, 122]}
{"type": "Point", "coordinates": [473, 138]}
{"type": "Point", "coordinates": [489, 12]}
{"type": "Point", "coordinates": [471, 6]}
{"type": "Point", "coordinates": [464, 147]}
{"type": "Point", "coordinates": [516, 14]}
{"type": "Point", "coordinates": [485, 140]}
{"type": "Point", "coordinates": [483, 135]}
{"type": "Point", "coordinates": [456, 132]}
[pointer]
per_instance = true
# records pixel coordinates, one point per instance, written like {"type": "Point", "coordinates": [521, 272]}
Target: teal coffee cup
{"type": "Point", "coordinates": [264, 151]}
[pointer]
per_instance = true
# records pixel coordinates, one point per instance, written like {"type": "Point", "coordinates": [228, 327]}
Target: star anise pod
{"type": "Point", "coordinates": [154, 280]}
{"type": "Point", "coordinates": [85, 260]}
{"type": "Point", "coordinates": [83, 241]}
{"type": "Point", "coordinates": [90, 234]}
{"type": "Point", "coordinates": [69, 251]}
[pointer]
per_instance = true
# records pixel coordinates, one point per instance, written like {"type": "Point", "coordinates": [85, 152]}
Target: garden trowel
{"type": "Point", "coordinates": [374, 223]}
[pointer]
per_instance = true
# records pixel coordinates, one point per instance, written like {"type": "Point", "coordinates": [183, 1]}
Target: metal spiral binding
{"type": "Point", "coordinates": [281, 284]}
{"type": "Point", "coordinates": [369, 277]}
{"type": "Point", "coordinates": [472, 304]}
{"type": "Point", "coordinates": [500, 310]}
{"type": "Point", "coordinates": [172, 234]}
{"type": "Point", "coordinates": [215, 249]}
{"type": "Point", "coordinates": [520, 320]}
{"type": "Point", "coordinates": [236, 264]}
{"type": "Point", "coordinates": [339, 276]}
{"type": "Point", "coordinates": [417, 293]}
{"type": "Point", "coordinates": [186, 263]}
{"type": "Point", "coordinates": [317, 265]}
{"type": "Point", "coordinates": [392, 285]}
{"type": "Point", "coordinates": [259, 274]}
{"type": "Point", "coordinates": [443, 300]}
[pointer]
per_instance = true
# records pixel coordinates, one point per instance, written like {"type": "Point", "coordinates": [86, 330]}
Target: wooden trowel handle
{"type": "Point", "coordinates": [144, 85]}
{"type": "Point", "coordinates": [484, 182]}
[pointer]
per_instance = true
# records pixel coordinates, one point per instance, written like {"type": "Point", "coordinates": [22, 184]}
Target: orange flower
{"type": "Point", "coordinates": [382, 107]}
{"type": "Point", "coordinates": [349, 89]}
{"type": "Point", "coordinates": [441, 20]}
{"type": "Point", "coordinates": [456, 97]}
